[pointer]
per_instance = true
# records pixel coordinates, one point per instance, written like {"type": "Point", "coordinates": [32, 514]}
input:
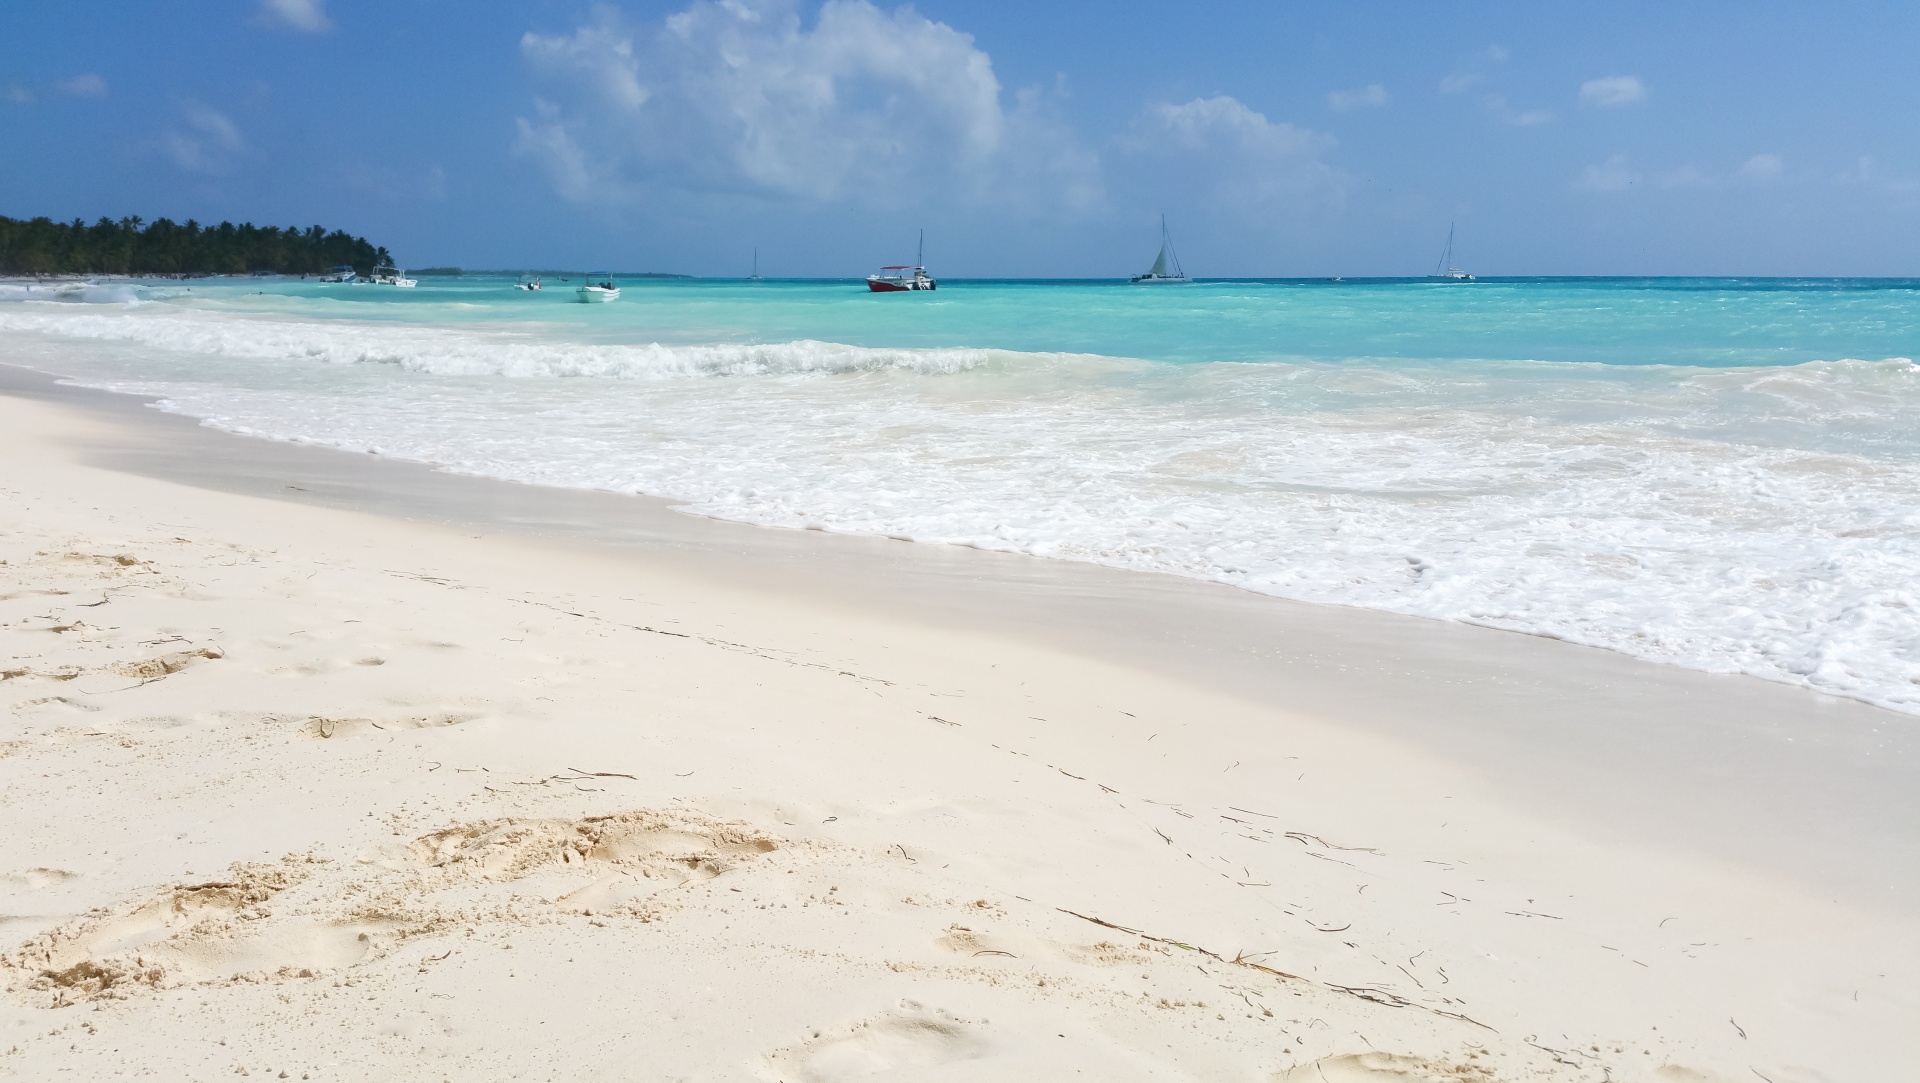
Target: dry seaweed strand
{"type": "Point", "coordinates": [1240, 959]}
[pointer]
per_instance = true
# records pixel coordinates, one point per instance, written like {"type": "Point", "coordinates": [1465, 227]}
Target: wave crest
{"type": "Point", "coordinates": [500, 354]}
{"type": "Point", "coordinates": [470, 353]}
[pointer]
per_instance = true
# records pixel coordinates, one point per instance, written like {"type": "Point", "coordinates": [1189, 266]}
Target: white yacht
{"type": "Point", "coordinates": [598, 289]}
{"type": "Point", "coordinates": [1445, 271]}
{"type": "Point", "coordinates": [1162, 271]}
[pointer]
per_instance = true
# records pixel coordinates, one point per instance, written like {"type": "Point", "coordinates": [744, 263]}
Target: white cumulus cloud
{"type": "Point", "coordinates": [1762, 166]}
{"type": "Point", "coordinates": [1249, 167]}
{"type": "Point", "coordinates": [85, 85]}
{"type": "Point", "coordinates": [1519, 118]}
{"type": "Point", "coordinates": [209, 142]}
{"type": "Point", "coordinates": [308, 16]}
{"type": "Point", "coordinates": [1616, 174]}
{"type": "Point", "coordinates": [742, 96]}
{"type": "Point", "coordinates": [1345, 101]}
{"type": "Point", "coordinates": [1612, 91]}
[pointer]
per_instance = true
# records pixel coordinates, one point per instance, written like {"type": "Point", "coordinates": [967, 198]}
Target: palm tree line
{"type": "Point", "coordinates": [134, 246]}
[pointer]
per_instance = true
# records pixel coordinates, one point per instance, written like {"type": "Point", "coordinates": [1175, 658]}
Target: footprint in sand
{"type": "Point", "coordinates": [898, 1044]}
{"type": "Point", "coordinates": [326, 729]}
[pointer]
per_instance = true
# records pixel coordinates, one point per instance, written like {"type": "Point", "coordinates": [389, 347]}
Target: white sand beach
{"type": "Point", "coordinates": [316, 766]}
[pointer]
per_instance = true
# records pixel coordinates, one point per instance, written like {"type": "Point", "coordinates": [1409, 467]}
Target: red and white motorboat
{"type": "Point", "coordinates": [900, 278]}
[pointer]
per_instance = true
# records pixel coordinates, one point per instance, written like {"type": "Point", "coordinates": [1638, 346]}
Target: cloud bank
{"type": "Point", "coordinates": [1245, 164]}
{"type": "Point", "coordinates": [741, 98]}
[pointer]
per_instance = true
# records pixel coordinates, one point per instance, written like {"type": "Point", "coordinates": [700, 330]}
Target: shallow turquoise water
{"type": "Point", "coordinates": [1722, 474]}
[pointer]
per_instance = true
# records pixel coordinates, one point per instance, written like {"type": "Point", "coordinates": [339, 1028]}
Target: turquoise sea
{"type": "Point", "coordinates": [1716, 473]}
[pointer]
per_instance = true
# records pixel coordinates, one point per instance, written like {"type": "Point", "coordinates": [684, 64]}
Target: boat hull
{"type": "Point", "coordinates": [1159, 280]}
{"type": "Point", "coordinates": [883, 285]}
{"type": "Point", "coordinates": [593, 295]}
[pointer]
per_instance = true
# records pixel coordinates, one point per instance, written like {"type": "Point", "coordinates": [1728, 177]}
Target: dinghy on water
{"type": "Point", "coordinates": [598, 289]}
{"type": "Point", "coordinates": [1159, 273]}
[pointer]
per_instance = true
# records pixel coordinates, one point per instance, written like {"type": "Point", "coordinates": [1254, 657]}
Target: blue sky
{"type": "Point", "coordinates": [1028, 139]}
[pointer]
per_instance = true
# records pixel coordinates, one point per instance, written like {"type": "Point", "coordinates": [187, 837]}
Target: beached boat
{"type": "Point", "coordinates": [1166, 266]}
{"type": "Point", "coordinates": [598, 289]}
{"type": "Point", "coordinates": [902, 278]}
{"type": "Point", "coordinates": [1445, 271]}
{"type": "Point", "coordinates": [342, 273]}
{"type": "Point", "coordinates": [527, 282]}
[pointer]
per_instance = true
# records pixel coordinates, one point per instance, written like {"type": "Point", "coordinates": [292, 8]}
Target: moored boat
{"type": "Point", "coordinates": [598, 288]}
{"type": "Point", "coordinates": [1445, 271]}
{"type": "Point", "coordinates": [527, 282]}
{"type": "Point", "coordinates": [902, 277]}
{"type": "Point", "coordinates": [1166, 266]}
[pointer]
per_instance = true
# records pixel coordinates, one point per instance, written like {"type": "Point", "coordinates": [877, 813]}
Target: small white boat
{"type": "Point", "coordinates": [393, 276]}
{"type": "Point", "coordinates": [1161, 273]}
{"type": "Point", "coordinates": [598, 289]}
{"type": "Point", "coordinates": [527, 282]}
{"type": "Point", "coordinates": [1445, 271]}
{"type": "Point", "coordinates": [342, 273]}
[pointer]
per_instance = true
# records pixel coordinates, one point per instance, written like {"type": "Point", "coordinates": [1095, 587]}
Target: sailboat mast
{"type": "Point", "coordinates": [920, 254]}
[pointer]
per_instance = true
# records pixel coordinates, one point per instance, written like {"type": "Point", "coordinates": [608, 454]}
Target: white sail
{"type": "Point", "coordinates": [1158, 273]}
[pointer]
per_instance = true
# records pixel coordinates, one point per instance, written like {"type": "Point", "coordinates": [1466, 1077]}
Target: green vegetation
{"type": "Point", "coordinates": [438, 271]}
{"type": "Point", "coordinates": [130, 246]}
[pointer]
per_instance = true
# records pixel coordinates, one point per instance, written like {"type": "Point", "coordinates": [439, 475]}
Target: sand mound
{"type": "Point", "coordinates": [305, 915]}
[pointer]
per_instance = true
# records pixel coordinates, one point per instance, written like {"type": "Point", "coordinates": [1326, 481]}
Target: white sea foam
{"type": "Point", "coordinates": [474, 353]}
{"type": "Point", "coordinates": [1759, 520]}
{"type": "Point", "coordinates": [70, 292]}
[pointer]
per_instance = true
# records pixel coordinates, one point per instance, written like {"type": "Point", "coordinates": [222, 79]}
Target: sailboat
{"type": "Point", "coordinates": [755, 276]}
{"type": "Point", "coordinates": [901, 278]}
{"type": "Point", "coordinates": [1158, 272]}
{"type": "Point", "coordinates": [1445, 271]}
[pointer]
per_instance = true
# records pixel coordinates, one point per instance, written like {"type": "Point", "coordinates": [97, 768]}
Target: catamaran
{"type": "Point", "coordinates": [1445, 271]}
{"type": "Point", "coordinates": [598, 288]}
{"type": "Point", "coordinates": [901, 278]}
{"type": "Point", "coordinates": [1157, 274]}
